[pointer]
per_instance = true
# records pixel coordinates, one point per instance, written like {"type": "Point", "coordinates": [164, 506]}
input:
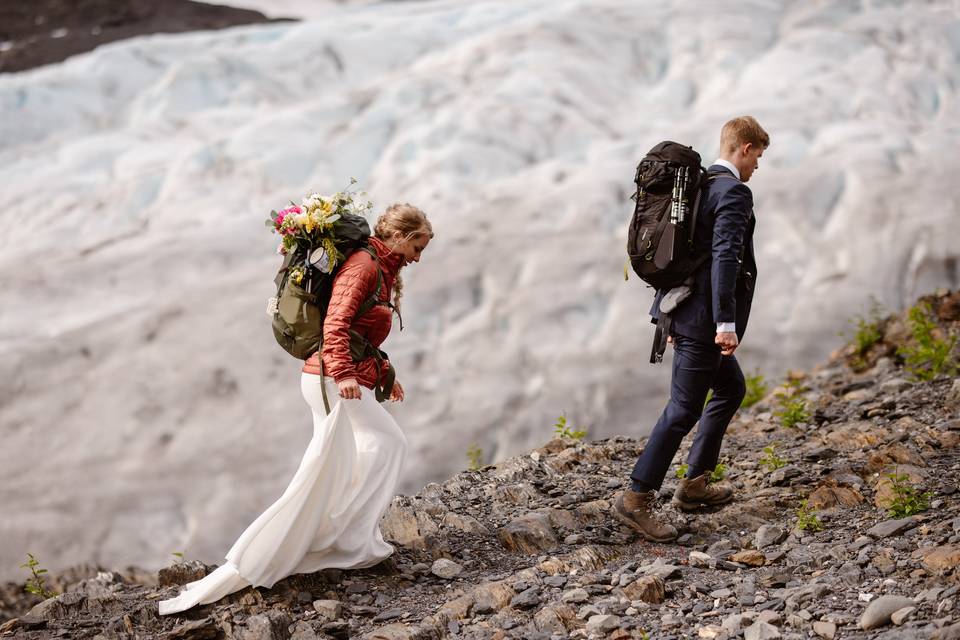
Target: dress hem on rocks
{"type": "Point", "coordinates": [329, 514]}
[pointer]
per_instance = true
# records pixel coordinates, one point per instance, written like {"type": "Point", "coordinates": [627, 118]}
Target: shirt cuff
{"type": "Point", "coordinates": [726, 327]}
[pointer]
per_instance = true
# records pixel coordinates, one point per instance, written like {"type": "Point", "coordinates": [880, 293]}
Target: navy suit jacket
{"type": "Point", "coordinates": [723, 285]}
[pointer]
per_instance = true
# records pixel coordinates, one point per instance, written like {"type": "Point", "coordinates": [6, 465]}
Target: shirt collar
{"type": "Point", "coordinates": [729, 165]}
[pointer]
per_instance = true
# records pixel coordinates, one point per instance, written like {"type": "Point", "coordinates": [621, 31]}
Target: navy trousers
{"type": "Point", "coordinates": [697, 368]}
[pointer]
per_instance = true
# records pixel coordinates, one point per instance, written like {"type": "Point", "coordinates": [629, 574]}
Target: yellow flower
{"type": "Point", "coordinates": [296, 276]}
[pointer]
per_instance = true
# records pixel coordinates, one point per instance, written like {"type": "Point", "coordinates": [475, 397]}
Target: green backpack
{"type": "Point", "coordinates": [304, 284]}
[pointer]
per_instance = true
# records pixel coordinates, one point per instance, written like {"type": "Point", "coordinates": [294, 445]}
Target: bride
{"type": "Point", "coordinates": [329, 515]}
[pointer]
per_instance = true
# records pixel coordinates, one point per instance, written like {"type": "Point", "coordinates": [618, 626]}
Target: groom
{"type": "Point", "coordinates": [706, 330]}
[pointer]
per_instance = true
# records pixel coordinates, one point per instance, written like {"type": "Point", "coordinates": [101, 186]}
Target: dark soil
{"type": "Point", "coordinates": [38, 32]}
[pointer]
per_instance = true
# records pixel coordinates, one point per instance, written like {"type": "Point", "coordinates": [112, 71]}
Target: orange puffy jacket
{"type": "Point", "coordinates": [354, 283]}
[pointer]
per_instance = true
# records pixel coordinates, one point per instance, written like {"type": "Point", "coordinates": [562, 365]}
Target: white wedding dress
{"type": "Point", "coordinates": [329, 515]}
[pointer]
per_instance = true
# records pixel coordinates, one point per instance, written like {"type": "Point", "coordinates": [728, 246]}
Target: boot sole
{"type": "Point", "coordinates": [627, 520]}
{"type": "Point", "coordinates": [696, 506]}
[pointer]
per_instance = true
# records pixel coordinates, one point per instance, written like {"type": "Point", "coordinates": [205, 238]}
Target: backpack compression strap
{"type": "Point", "coordinates": [361, 348]}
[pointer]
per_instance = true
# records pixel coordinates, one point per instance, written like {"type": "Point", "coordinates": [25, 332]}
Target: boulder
{"type": "Point", "coordinates": [878, 612]}
{"type": "Point", "coordinates": [646, 589]}
{"type": "Point", "coordinates": [529, 534]}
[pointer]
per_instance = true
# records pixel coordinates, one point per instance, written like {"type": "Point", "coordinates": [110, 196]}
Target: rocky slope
{"type": "Point", "coordinates": [527, 548]}
{"type": "Point", "coordinates": [134, 265]}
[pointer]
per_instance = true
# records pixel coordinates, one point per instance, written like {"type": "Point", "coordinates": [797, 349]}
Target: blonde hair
{"type": "Point", "coordinates": [410, 222]}
{"type": "Point", "coordinates": [740, 131]}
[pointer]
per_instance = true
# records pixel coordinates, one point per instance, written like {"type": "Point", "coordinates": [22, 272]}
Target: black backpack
{"type": "Point", "coordinates": [669, 183]}
{"type": "Point", "coordinates": [304, 286]}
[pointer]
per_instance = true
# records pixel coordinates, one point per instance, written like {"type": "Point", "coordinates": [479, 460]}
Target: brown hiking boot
{"type": "Point", "coordinates": [694, 494]}
{"type": "Point", "coordinates": [637, 510]}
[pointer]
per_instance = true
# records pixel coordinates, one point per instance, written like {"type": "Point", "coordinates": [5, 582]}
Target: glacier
{"type": "Point", "coordinates": [144, 407]}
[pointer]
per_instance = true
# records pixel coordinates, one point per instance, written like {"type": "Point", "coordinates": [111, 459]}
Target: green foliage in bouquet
{"type": "Point", "coordinates": [309, 225]}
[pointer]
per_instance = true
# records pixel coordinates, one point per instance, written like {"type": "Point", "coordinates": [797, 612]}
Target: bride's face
{"type": "Point", "coordinates": [410, 247]}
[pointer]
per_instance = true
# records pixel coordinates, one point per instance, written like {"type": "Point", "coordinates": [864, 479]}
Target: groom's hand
{"type": "Point", "coordinates": [728, 342]}
{"type": "Point", "coordinates": [349, 389]}
{"type": "Point", "coordinates": [396, 395]}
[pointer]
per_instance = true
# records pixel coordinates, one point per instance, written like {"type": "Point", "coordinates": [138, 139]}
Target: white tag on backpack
{"type": "Point", "coordinates": [319, 259]}
{"type": "Point", "coordinates": [272, 306]}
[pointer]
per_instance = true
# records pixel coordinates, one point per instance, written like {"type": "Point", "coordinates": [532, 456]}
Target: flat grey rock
{"type": "Point", "coordinates": [760, 630]}
{"type": "Point", "coordinates": [446, 569]}
{"type": "Point", "coordinates": [891, 527]}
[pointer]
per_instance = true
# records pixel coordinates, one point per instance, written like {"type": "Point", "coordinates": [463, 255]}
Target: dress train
{"type": "Point", "coordinates": [329, 514]}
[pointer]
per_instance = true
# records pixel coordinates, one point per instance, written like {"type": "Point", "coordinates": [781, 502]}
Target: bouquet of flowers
{"type": "Point", "coordinates": [308, 228]}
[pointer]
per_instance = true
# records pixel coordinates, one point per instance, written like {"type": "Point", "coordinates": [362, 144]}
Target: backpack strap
{"type": "Point", "coordinates": [660, 338]}
{"type": "Point", "coordinates": [361, 348]}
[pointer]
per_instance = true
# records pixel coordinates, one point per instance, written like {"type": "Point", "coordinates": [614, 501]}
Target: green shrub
{"type": "Point", "coordinates": [908, 499]}
{"type": "Point", "coordinates": [770, 459]}
{"type": "Point", "coordinates": [474, 457]}
{"type": "Point", "coordinates": [807, 519]}
{"type": "Point", "coordinates": [562, 430]}
{"type": "Point", "coordinates": [35, 583]}
{"type": "Point", "coordinates": [867, 333]}
{"type": "Point", "coordinates": [791, 409]}
{"type": "Point", "coordinates": [928, 356]}
{"type": "Point", "coordinates": [719, 473]}
{"type": "Point", "coordinates": [757, 389]}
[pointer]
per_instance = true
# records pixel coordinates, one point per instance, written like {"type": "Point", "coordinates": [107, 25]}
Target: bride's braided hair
{"type": "Point", "coordinates": [411, 222]}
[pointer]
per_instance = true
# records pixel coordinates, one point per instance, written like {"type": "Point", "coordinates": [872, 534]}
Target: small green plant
{"type": "Point", "coordinates": [867, 332]}
{"type": "Point", "coordinates": [35, 583]}
{"type": "Point", "coordinates": [770, 459]}
{"type": "Point", "coordinates": [178, 555]}
{"type": "Point", "coordinates": [907, 499]}
{"type": "Point", "coordinates": [474, 457]}
{"type": "Point", "coordinates": [807, 519]}
{"type": "Point", "coordinates": [792, 408]}
{"type": "Point", "coordinates": [929, 355]}
{"type": "Point", "coordinates": [562, 430]}
{"type": "Point", "coordinates": [757, 389]}
{"type": "Point", "coordinates": [719, 473]}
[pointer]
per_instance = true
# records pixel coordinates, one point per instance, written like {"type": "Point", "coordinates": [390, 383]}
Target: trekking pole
{"type": "Point", "coordinates": [675, 198]}
{"type": "Point", "coordinates": [683, 177]}
{"type": "Point", "coordinates": [664, 253]}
